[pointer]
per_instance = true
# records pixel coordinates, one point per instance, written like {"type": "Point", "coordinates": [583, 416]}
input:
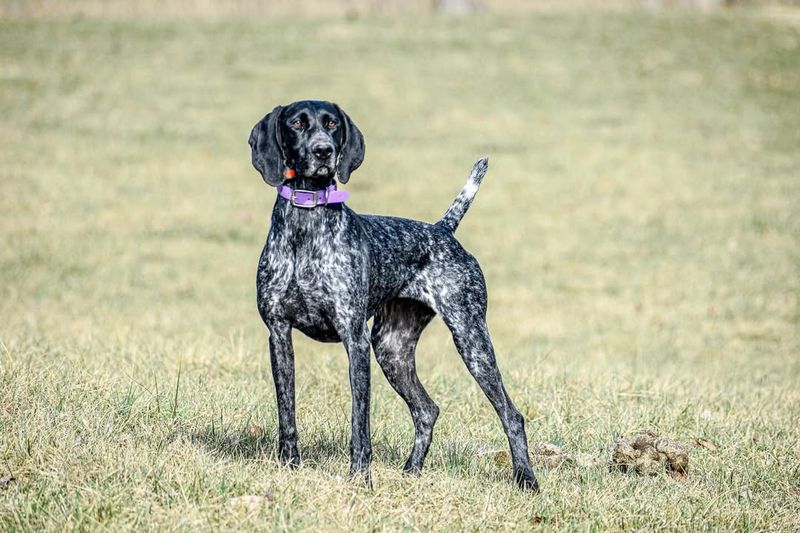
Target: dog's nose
{"type": "Point", "coordinates": [322, 151]}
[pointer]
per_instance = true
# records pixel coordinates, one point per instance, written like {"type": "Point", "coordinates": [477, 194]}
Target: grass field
{"type": "Point", "coordinates": [638, 230]}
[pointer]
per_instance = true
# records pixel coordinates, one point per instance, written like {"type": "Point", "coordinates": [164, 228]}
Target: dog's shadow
{"type": "Point", "coordinates": [328, 447]}
{"type": "Point", "coordinates": [235, 444]}
{"type": "Point", "coordinates": [321, 447]}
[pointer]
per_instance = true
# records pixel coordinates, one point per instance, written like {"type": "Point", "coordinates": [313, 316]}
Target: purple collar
{"type": "Point", "coordinates": [311, 199]}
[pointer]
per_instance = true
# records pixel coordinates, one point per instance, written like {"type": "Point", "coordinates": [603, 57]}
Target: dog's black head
{"type": "Point", "coordinates": [316, 140]}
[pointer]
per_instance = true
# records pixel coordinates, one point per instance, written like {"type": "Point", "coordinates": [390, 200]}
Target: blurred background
{"type": "Point", "coordinates": [127, 8]}
{"type": "Point", "coordinates": [638, 229]}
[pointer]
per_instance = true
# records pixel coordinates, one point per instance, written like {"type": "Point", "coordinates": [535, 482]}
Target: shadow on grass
{"type": "Point", "coordinates": [327, 449]}
{"type": "Point", "coordinates": [239, 445]}
{"type": "Point", "coordinates": [323, 446]}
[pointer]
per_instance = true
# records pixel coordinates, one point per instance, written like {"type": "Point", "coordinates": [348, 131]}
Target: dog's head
{"type": "Point", "coordinates": [315, 140]}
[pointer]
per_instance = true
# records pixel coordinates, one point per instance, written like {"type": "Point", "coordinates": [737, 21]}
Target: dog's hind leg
{"type": "Point", "coordinates": [396, 330]}
{"type": "Point", "coordinates": [475, 346]}
{"type": "Point", "coordinates": [463, 309]}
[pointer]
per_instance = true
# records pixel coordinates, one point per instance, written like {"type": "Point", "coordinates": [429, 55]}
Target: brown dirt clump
{"type": "Point", "coordinates": [550, 455]}
{"type": "Point", "coordinates": [648, 453]}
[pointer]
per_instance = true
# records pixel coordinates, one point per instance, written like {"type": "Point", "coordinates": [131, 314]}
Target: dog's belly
{"type": "Point", "coordinates": [318, 331]}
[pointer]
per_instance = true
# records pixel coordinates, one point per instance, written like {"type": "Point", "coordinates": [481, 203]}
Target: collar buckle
{"type": "Point", "coordinates": [295, 203]}
{"type": "Point", "coordinates": [314, 196]}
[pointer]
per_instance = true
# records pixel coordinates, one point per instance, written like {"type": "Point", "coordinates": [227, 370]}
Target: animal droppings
{"type": "Point", "coordinates": [647, 453]}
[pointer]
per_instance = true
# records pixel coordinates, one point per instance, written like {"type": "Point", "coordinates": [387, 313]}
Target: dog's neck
{"type": "Point", "coordinates": [299, 226]}
{"type": "Point", "coordinates": [312, 183]}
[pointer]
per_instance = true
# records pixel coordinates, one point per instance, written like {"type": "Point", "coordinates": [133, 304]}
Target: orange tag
{"type": "Point", "coordinates": [289, 173]}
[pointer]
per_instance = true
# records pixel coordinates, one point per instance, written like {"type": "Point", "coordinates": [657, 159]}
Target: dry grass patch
{"type": "Point", "coordinates": [638, 229]}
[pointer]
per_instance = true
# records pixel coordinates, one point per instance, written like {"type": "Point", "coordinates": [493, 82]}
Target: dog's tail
{"type": "Point", "coordinates": [464, 199]}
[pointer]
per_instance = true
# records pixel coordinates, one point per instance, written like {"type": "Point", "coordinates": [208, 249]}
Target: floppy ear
{"type": "Point", "coordinates": [351, 153]}
{"type": "Point", "coordinates": [267, 152]}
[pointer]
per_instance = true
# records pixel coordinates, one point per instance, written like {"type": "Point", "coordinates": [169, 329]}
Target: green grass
{"type": "Point", "coordinates": [638, 230]}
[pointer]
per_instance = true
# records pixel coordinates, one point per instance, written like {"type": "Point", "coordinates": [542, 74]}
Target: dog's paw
{"type": "Point", "coordinates": [526, 481]}
{"type": "Point", "coordinates": [361, 477]}
{"type": "Point", "coordinates": [289, 456]}
{"type": "Point", "coordinates": [411, 469]}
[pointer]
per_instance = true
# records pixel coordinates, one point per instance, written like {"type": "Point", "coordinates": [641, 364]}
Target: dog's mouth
{"type": "Point", "coordinates": [317, 171]}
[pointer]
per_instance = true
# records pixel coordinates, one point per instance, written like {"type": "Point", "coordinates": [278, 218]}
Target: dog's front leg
{"type": "Point", "coordinates": [282, 361]}
{"type": "Point", "coordinates": [356, 342]}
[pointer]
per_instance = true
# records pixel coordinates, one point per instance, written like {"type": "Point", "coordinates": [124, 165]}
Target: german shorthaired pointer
{"type": "Point", "coordinates": [326, 270]}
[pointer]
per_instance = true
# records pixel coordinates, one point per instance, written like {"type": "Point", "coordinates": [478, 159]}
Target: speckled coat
{"type": "Point", "coordinates": [325, 271]}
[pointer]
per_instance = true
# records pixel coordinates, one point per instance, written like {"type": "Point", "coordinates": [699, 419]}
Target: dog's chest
{"type": "Point", "coordinates": [302, 281]}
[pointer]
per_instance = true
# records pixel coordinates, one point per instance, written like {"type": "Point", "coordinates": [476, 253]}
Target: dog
{"type": "Point", "coordinates": [326, 270]}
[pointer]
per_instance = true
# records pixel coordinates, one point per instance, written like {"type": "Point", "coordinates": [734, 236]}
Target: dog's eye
{"type": "Point", "coordinates": [331, 124]}
{"type": "Point", "coordinates": [297, 124]}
